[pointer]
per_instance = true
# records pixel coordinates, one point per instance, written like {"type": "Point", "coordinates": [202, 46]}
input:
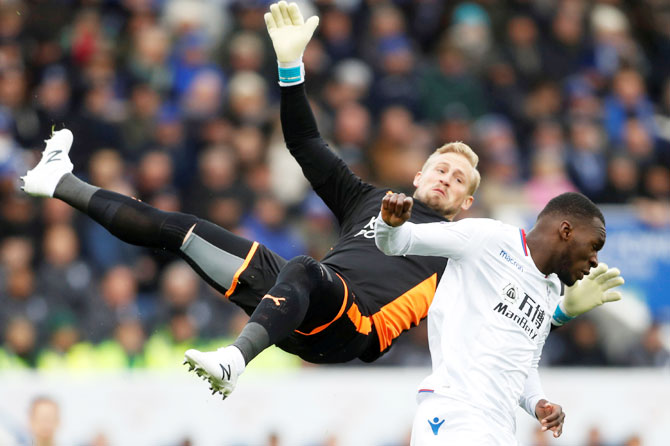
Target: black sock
{"type": "Point", "coordinates": [128, 219]}
{"type": "Point", "coordinates": [280, 312]}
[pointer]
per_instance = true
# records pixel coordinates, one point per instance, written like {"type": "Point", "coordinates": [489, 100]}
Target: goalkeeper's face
{"type": "Point", "coordinates": [584, 242]}
{"type": "Point", "coordinates": [445, 183]}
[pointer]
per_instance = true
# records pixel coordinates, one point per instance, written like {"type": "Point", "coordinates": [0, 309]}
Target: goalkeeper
{"type": "Point", "coordinates": [355, 302]}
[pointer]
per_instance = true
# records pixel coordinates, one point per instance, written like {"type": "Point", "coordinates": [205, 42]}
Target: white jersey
{"type": "Point", "coordinates": [491, 313]}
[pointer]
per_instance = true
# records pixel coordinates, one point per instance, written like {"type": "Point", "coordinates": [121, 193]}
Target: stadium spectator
{"type": "Point", "coordinates": [594, 437]}
{"type": "Point", "coordinates": [447, 82]}
{"type": "Point", "coordinates": [19, 350]}
{"type": "Point", "coordinates": [180, 289]}
{"type": "Point", "coordinates": [63, 275]}
{"type": "Point", "coordinates": [583, 348]}
{"type": "Point", "coordinates": [523, 48]}
{"type": "Point", "coordinates": [15, 253]}
{"type": "Point", "coordinates": [628, 100]}
{"type": "Point", "coordinates": [164, 349]}
{"type": "Point", "coordinates": [651, 351]}
{"type": "Point", "coordinates": [116, 300]}
{"type": "Point", "coordinates": [43, 421]}
{"type": "Point", "coordinates": [20, 298]}
{"type": "Point", "coordinates": [396, 151]}
{"type": "Point", "coordinates": [125, 350]}
{"type": "Point", "coordinates": [64, 350]}
{"type": "Point", "coordinates": [586, 159]}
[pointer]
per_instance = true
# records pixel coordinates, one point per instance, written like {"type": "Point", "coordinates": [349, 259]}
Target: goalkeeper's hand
{"type": "Point", "coordinates": [592, 291]}
{"type": "Point", "coordinates": [290, 34]}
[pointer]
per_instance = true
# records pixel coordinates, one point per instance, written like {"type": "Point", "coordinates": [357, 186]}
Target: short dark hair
{"type": "Point", "coordinates": [573, 203]}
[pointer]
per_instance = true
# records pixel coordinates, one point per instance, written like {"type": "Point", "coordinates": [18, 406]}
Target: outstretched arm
{"type": "Point", "coordinates": [394, 235]}
{"type": "Point", "coordinates": [588, 293]}
{"type": "Point", "coordinates": [330, 177]}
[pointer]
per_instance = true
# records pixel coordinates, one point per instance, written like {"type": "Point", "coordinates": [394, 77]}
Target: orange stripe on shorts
{"type": "Point", "coordinates": [339, 314]}
{"type": "Point", "coordinates": [241, 269]}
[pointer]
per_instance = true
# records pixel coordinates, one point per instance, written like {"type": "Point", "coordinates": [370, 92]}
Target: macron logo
{"type": "Point", "coordinates": [435, 424]}
{"type": "Point", "coordinates": [508, 258]}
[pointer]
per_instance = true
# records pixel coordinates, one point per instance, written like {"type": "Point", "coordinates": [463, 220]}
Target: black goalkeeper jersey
{"type": "Point", "coordinates": [392, 292]}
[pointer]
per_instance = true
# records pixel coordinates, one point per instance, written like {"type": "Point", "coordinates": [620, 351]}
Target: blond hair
{"type": "Point", "coordinates": [467, 152]}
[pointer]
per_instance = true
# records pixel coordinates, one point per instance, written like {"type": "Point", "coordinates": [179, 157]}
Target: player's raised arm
{"type": "Point", "coordinates": [330, 177]}
{"type": "Point", "coordinates": [394, 235]}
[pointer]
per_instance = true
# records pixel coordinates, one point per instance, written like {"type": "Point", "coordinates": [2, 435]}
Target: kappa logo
{"type": "Point", "coordinates": [435, 424]}
{"type": "Point", "coordinates": [52, 156]}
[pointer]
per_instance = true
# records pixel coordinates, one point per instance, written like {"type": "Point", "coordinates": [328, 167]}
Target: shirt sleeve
{"type": "Point", "coordinates": [453, 240]}
{"type": "Point", "coordinates": [532, 392]}
{"type": "Point", "coordinates": [329, 176]}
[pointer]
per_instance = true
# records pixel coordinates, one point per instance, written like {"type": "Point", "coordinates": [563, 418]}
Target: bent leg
{"type": "Point", "coordinates": [305, 296]}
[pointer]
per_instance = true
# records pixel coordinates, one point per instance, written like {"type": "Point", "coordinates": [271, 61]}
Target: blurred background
{"type": "Point", "coordinates": [175, 102]}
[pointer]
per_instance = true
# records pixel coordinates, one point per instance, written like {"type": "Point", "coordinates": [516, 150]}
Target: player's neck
{"type": "Point", "coordinates": [541, 255]}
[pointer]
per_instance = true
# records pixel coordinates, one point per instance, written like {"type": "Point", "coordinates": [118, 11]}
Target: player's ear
{"type": "Point", "coordinates": [467, 203]}
{"type": "Point", "coordinates": [565, 230]}
{"type": "Point", "coordinates": [417, 178]}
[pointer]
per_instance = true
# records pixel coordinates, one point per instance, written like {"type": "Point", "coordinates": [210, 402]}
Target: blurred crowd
{"type": "Point", "coordinates": [175, 102]}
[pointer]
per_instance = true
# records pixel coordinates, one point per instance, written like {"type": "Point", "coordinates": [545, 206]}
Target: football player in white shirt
{"type": "Point", "coordinates": [494, 307]}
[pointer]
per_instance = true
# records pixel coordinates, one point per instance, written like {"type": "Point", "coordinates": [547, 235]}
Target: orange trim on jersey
{"type": "Point", "coordinates": [339, 314]}
{"type": "Point", "coordinates": [403, 312]}
{"type": "Point", "coordinates": [241, 269]}
{"type": "Point", "coordinates": [363, 323]}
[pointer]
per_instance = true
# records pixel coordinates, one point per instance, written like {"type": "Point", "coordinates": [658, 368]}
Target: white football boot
{"type": "Point", "coordinates": [221, 367]}
{"type": "Point", "coordinates": [41, 180]}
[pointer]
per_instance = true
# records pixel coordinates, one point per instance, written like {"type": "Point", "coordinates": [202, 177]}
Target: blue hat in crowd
{"type": "Point", "coordinates": [470, 14]}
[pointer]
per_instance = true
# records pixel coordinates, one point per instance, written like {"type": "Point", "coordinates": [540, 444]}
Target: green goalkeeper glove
{"type": "Point", "coordinates": [290, 35]}
{"type": "Point", "coordinates": [588, 293]}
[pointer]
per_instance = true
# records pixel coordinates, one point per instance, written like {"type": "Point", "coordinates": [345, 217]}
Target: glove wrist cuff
{"type": "Point", "coordinates": [291, 73]}
{"type": "Point", "coordinates": [560, 316]}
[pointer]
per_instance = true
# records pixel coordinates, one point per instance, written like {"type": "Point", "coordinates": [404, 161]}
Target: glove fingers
{"type": "Point", "coordinates": [614, 282]}
{"type": "Point", "coordinates": [311, 24]}
{"type": "Point", "coordinates": [612, 296]}
{"type": "Point", "coordinates": [597, 271]}
{"type": "Point", "coordinates": [269, 22]}
{"type": "Point", "coordinates": [294, 13]}
{"type": "Point", "coordinates": [276, 14]}
{"type": "Point", "coordinates": [611, 273]}
{"type": "Point", "coordinates": [283, 8]}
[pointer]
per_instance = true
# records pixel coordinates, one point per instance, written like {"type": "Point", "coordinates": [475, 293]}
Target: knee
{"type": "Point", "coordinates": [306, 261]}
{"type": "Point", "coordinates": [301, 270]}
